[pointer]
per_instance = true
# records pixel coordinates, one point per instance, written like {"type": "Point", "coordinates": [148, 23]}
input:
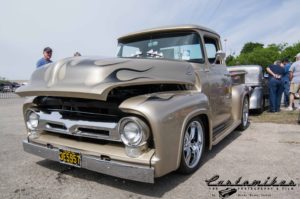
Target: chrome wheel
{"type": "Point", "coordinates": [245, 112]}
{"type": "Point", "coordinates": [193, 144]}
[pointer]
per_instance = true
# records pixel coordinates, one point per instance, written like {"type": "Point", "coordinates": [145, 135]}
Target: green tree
{"type": "Point", "coordinates": [250, 46]}
{"type": "Point", "coordinates": [230, 60]}
{"type": "Point", "coordinates": [291, 51]}
{"type": "Point", "coordinates": [259, 56]}
{"type": "Point", "coordinates": [264, 56]}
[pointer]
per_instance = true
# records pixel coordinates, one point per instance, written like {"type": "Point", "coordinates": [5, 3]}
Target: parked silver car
{"type": "Point", "coordinates": [258, 85]}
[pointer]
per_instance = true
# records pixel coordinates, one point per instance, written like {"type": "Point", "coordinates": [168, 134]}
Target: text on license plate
{"type": "Point", "coordinates": [70, 157]}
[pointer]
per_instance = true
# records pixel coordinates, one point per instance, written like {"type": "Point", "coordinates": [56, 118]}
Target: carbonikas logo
{"type": "Point", "coordinates": [249, 188]}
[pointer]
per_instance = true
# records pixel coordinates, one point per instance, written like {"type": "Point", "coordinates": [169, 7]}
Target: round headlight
{"type": "Point", "coordinates": [133, 131]}
{"type": "Point", "coordinates": [32, 120]}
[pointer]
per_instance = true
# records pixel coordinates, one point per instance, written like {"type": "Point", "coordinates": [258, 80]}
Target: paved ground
{"type": "Point", "coordinates": [263, 150]}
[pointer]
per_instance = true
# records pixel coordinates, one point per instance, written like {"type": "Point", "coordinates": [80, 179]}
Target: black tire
{"type": "Point", "coordinates": [245, 115]}
{"type": "Point", "coordinates": [194, 161]}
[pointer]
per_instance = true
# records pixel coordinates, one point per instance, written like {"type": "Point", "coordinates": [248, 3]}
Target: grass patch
{"type": "Point", "coordinates": [282, 117]}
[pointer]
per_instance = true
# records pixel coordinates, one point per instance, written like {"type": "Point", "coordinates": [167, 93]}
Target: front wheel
{"type": "Point", "coordinates": [192, 147]}
{"type": "Point", "coordinates": [245, 115]}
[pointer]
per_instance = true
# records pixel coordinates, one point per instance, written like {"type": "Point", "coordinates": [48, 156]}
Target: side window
{"type": "Point", "coordinates": [211, 47]}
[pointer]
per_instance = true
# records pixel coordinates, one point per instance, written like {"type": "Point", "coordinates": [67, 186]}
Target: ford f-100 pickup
{"type": "Point", "coordinates": [157, 107]}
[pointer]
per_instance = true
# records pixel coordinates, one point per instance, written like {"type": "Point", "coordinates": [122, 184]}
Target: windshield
{"type": "Point", "coordinates": [174, 46]}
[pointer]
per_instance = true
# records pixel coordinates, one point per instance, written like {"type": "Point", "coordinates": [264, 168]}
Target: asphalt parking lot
{"type": "Point", "coordinates": [263, 150]}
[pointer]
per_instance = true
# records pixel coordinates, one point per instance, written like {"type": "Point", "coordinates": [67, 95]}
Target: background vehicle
{"type": "Point", "coordinates": [5, 87]}
{"type": "Point", "coordinates": [156, 108]}
{"type": "Point", "coordinates": [254, 79]}
{"type": "Point", "coordinates": [14, 86]}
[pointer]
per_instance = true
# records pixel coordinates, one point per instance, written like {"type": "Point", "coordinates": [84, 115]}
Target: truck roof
{"type": "Point", "coordinates": [168, 29]}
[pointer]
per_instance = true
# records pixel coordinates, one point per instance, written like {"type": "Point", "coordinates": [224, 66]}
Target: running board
{"type": "Point", "coordinates": [220, 136]}
{"type": "Point", "coordinates": [220, 128]}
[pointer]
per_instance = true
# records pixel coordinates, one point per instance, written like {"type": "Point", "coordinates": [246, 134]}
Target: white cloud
{"type": "Point", "coordinates": [92, 27]}
{"type": "Point", "coordinates": [275, 24]}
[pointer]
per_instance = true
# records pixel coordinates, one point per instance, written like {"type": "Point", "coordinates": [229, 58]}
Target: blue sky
{"type": "Point", "coordinates": [92, 27]}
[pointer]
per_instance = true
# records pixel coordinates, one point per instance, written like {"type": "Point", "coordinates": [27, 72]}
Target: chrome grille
{"type": "Point", "coordinates": [81, 109]}
{"type": "Point", "coordinates": [55, 122]}
{"type": "Point", "coordinates": [79, 117]}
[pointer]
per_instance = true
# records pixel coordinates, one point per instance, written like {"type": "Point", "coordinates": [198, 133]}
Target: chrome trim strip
{"type": "Point", "coordinates": [72, 126]}
{"type": "Point", "coordinates": [71, 111]}
{"type": "Point", "coordinates": [112, 167]}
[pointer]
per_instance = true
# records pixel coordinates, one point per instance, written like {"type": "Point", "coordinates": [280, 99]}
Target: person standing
{"type": "Point", "coordinates": [286, 81]}
{"type": "Point", "coordinates": [47, 52]}
{"type": "Point", "coordinates": [295, 81]}
{"type": "Point", "coordinates": [275, 85]}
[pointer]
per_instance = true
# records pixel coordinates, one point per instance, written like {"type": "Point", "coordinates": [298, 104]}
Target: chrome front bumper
{"type": "Point", "coordinates": [113, 168]}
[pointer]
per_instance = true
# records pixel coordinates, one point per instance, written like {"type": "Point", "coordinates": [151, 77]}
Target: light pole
{"type": "Point", "coordinates": [225, 40]}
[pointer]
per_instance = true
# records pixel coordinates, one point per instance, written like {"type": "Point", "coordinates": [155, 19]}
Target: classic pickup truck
{"type": "Point", "coordinates": [155, 108]}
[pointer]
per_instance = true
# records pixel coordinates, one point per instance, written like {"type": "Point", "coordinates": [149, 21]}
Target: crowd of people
{"type": "Point", "coordinates": [284, 79]}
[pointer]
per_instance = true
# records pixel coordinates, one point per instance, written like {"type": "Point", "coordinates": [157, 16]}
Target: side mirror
{"type": "Point", "coordinates": [220, 56]}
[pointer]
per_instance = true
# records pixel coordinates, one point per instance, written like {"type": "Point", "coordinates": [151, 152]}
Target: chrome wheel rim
{"type": "Point", "coordinates": [193, 144]}
{"type": "Point", "coordinates": [245, 113]}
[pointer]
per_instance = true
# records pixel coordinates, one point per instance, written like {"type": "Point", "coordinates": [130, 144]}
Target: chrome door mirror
{"type": "Point", "coordinates": [220, 56]}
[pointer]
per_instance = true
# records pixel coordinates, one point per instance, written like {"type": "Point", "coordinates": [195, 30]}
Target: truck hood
{"type": "Point", "coordinates": [93, 78]}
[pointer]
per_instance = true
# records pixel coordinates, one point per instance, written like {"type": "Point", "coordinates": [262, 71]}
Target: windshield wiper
{"type": "Point", "coordinates": [195, 60]}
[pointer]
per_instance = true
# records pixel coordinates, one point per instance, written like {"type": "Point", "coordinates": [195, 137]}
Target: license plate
{"type": "Point", "coordinates": [69, 157]}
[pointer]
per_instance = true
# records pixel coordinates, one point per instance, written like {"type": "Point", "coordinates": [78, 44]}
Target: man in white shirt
{"type": "Point", "coordinates": [295, 81]}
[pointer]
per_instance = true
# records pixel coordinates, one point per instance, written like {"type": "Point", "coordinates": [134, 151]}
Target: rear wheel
{"type": "Point", "coordinates": [245, 115]}
{"type": "Point", "coordinates": [192, 147]}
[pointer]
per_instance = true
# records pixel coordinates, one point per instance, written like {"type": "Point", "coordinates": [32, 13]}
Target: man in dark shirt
{"type": "Point", "coordinates": [275, 85]}
{"type": "Point", "coordinates": [46, 59]}
{"type": "Point", "coordinates": [286, 81]}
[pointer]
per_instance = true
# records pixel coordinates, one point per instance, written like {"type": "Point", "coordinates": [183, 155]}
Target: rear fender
{"type": "Point", "coordinates": [239, 92]}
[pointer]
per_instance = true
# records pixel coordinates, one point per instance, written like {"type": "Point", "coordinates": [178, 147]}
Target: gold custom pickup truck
{"type": "Point", "coordinates": [155, 108]}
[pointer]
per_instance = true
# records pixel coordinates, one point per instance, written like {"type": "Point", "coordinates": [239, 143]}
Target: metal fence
{"type": "Point", "coordinates": [8, 95]}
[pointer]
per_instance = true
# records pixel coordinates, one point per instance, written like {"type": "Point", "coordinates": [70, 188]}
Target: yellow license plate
{"type": "Point", "coordinates": [70, 157]}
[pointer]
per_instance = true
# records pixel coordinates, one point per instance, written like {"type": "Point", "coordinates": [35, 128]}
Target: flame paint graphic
{"type": "Point", "coordinates": [113, 76]}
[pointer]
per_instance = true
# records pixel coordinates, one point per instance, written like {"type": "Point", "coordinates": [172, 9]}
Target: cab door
{"type": "Point", "coordinates": [219, 84]}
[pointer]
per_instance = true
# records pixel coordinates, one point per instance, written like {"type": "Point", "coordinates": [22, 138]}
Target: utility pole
{"type": "Point", "coordinates": [225, 40]}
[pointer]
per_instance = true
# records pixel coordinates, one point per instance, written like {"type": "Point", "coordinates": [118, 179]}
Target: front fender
{"type": "Point", "coordinates": [167, 113]}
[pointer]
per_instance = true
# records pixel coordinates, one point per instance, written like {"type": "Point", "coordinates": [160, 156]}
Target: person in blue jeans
{"type": "Point", "coordinates": [275, 85]}
{"type": "Point", "coordinates": [286, 81]}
